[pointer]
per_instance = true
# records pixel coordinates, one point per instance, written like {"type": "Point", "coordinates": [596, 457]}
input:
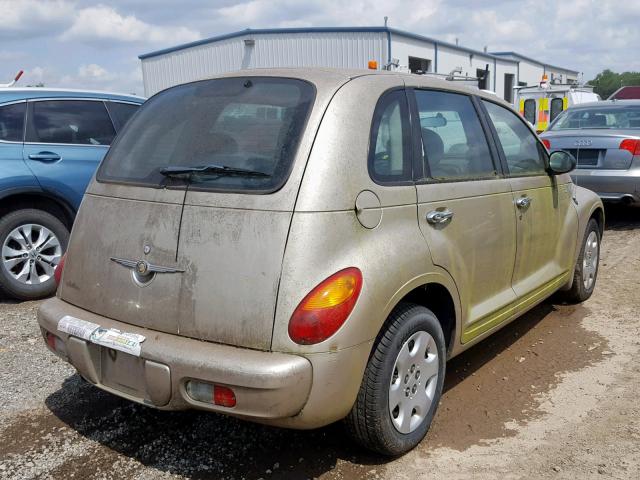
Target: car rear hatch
{"type": "Point", "coordinates": [595, 148]}
{"type": "Point", "coordinates": [198, 252]}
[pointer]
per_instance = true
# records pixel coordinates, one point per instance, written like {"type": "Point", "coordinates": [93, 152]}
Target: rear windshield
{"type": "Point", "coordinates": [252, 123]}
{"type": "Point", "coordinates": [608, 118]}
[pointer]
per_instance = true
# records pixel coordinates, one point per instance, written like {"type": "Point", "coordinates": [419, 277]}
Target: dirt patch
{"type": "Point", "coordinates": [498, 380]}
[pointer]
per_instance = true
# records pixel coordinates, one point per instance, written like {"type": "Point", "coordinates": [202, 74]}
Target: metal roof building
{"type": "Point", "coordinates": [340, 47]}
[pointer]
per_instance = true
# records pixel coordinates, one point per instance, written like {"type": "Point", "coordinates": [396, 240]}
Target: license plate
{"type": "Point", "coordinates": [106, 337]}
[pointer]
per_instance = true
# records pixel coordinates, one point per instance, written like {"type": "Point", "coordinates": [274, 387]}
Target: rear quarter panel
{"type": "Point", "coordinates": [326, 236]}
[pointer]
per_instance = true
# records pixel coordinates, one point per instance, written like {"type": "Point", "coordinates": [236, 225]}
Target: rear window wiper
{"type": "Point", "coordinates": [220, 170]}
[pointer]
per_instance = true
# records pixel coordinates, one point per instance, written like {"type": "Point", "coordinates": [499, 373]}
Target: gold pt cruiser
{"type": "Point", "coordinates": [301, 246]}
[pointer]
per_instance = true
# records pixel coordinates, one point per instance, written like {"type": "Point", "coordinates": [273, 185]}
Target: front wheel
{"type": "Point", "coordinates": [402, 383]}
{"type": "Point", "coordinates": [586, 271]}
{"type": "Point", "coordinates": [32, 243]}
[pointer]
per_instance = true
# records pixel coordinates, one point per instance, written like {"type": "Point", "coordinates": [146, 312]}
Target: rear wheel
{"type": "Point", "coordinates": [32, 243]}
{"type": "Point", "coordinates": [402, 383]}
{"type": "Point", "coordinates": [586, 271]}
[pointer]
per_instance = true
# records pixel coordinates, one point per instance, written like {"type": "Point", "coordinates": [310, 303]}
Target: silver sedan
{"type": "Point", "coordinates": [605, 139]}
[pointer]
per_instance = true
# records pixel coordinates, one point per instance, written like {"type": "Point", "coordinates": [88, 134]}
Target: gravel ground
{"type": "Point", "coordinates": [553, 395]}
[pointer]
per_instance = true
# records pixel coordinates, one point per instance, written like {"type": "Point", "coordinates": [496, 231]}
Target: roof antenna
{"type": "Point", "coordinates": [12, 83]}
{"type": "Point", "coordinates": [386, 19]}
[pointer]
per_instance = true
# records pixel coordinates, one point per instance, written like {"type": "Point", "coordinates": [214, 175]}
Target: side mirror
{"type": "Point", "coordinates": [561, 162]}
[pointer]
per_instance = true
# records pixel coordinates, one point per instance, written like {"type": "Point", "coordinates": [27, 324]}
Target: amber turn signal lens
{"type": "Point", "coordinates": [323, 311]}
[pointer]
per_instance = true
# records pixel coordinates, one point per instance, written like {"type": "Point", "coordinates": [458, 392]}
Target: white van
{"type": "Point", "coordinates": [541, 104]}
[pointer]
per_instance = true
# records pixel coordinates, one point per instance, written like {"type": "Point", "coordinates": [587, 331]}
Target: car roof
{"type": "Point", "coordinates": [333, 78]}
{"type": "Point", "coordinates": [9, 94]}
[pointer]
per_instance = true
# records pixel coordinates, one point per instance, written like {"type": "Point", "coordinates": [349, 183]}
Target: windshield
{"type": "Point", "coordinates": [251, 123]}
{"type": "Point", "coordinates": [616, 117]}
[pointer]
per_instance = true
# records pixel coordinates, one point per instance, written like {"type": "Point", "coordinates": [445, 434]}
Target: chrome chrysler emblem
{"type": "Point", "coordinates": [142, 271]}
{"type": "Point", "coordinates": [142, 267]}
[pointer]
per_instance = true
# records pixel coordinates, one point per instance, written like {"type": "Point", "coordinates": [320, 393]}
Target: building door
{"type": "Point", "coordinates": [483, 76]}
{"type": "Point", "coordinates": [508, 87]}
{"type": "Point", "coordinates": [419, 65]}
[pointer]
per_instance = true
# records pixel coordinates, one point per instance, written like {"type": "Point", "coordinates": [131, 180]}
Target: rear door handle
{"type": "Point", "coordinates": [523, 202]}
{"type": "Point", "coordinates": [45, 156]}
{"type": "Point", "coordinates": [439, 217]}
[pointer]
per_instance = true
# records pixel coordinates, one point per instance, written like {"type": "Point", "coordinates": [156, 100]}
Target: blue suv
{"type": "Point", "coordinates": [51, 142]}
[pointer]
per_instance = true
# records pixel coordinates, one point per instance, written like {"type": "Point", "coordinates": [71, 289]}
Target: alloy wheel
{"type": "Point", "coordinates": [30, 253]}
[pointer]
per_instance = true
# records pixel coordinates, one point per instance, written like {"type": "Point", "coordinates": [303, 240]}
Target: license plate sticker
{"type": "Point", "coordinates": [106, 337]}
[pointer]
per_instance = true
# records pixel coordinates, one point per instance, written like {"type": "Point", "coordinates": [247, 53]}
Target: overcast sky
{"type": "Point", "coordinates": [95, 44]}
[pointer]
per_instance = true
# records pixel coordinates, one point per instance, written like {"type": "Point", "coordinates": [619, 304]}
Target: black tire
{"type": "Point", "coordinates": [369, 421]}
{"type": "Point", "coordinates": [578, 292]}
{"type": "Point", "coordinates": [10, 285]}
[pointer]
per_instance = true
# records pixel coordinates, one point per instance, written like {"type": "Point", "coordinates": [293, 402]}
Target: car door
{"type": "Point", "coordinates": [546, 221]}
{"type": "Point", "coordinates": [465, 207]}
{"type": "Point", "coordinates": [65, 142]}
{"type": "Point", "coordinates": [13, 171]}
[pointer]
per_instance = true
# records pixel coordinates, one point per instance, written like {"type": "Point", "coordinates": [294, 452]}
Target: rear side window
{"type": "Point", "coordinates": [454, 145]}
{"type": "Point", "coordinates": [521, 149]}
{"type": "Point", "coordinates": [121, 112]}
{"type": "Point", "coordinates": [556, 108]}
{"type": "Point", "coordinates": [250, 123]}
{"type": "Point", "coordinates": [70, 121]}
{"type": "Point", "coordinates": [530, 111]}
{"type": "Point", "coordinates": [390, 150]}
{"type": "Point", "coordinates": [12, 122]}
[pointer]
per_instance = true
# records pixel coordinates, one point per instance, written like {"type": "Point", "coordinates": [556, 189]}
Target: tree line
{"type": "Point", "coordinates": [607, 82]}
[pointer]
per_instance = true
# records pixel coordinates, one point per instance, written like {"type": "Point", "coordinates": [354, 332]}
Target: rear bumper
{"type": "Point", "coordinates": [610, 185]}
{"type": "Point", "coordinates": [268, 386]}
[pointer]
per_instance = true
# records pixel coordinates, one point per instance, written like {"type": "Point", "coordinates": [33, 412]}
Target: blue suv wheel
{"type": "Point", "coordinates": [32, 243]}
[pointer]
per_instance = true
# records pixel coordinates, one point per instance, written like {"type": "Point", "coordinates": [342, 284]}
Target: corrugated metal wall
{"type": "Point", "coordinates": [326, 49]}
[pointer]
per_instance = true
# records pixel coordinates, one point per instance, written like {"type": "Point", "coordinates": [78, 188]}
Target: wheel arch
{"type": "Point", "coordinates": [598, 216]}
{"type": "Point", "coordinates": [438, 293]}
{"type": "Point", "coordinates": [16, 199]}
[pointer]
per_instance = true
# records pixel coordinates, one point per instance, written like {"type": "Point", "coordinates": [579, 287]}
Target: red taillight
{"type": "Point", "coordinates": [57, 273]}
{"type": "Point", "coordinates": [55, 343]}
{"type": "Point", "coordinates": [211, 393]}
{"type": "Point", "coordinates": [631, 145]}
{"type": "Point", "coordinates": [51, 340]}
{"type": "Point", "coordinates": [546, 143]}
{"type": "Point", "coordinates": [224, 396]}
{"type": "Point", "coordinates": [323, 311]}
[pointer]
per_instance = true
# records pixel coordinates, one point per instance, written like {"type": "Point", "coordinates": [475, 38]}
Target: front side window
{"type": "Point", "coordinates": [454, 145]}
{"type": "Point", "coordinates": [530, 111]}
{"type": "Point", "coordinates": [12, 122]}
{"type": "Point", "coordinates": [390, 150]}
{"type": "Point", "coordinates": [520, 146]}
{"type": "Point", "coordinates": [252, 124]}
{"type": "Point", "coordinates": [77, 122]}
